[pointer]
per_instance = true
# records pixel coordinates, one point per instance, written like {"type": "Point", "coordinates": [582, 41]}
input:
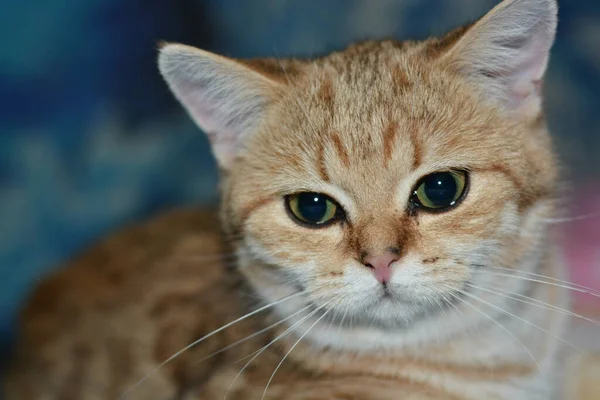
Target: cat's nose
{"type": "Point", "coordinates": [381, 265]}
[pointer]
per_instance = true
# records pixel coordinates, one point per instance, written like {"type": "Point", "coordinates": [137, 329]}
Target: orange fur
{"type": "Point", "coordinates": [361, 125]}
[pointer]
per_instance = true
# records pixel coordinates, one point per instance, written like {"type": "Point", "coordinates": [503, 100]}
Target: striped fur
{"type": "Point", "coordinates": [361, 125]}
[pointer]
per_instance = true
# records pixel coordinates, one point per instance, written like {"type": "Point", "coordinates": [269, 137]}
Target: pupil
{"type": "Point", "coordinates": [312, 206]}
{"type": "Point", "coordinates": [440, 189]}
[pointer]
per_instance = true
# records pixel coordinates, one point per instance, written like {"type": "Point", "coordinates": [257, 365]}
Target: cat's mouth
{"type": "Point", "coordinates": [389, 309]}
{"type": "Point", "coordinates": [388, 295]}
{"type": "Point", "coordinates": [388, 306]}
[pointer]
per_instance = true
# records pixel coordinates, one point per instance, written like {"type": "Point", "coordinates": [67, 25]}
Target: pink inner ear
{"type": "Point", "coordinates": [194, 99]}
{"type": "Point", "coordinates": [207, 115]}
{"type": "Point", "coordinates": [527, 72]}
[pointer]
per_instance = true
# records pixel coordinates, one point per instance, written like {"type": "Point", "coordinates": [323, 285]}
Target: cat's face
{"type": "Point", "coordinates": [380, 179]}
{"type": "Point", "coordinates": [324, 192]}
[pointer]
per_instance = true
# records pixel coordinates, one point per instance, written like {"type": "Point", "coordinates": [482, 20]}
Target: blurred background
{"type": "Point", "coordinates": [90, 138]}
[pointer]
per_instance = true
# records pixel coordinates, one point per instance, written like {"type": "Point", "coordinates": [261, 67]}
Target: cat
{"type": "Point", "coordinates": [383, 234]}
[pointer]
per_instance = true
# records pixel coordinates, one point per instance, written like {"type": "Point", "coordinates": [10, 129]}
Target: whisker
{"type": "Point", "coordinates": [290, 350]}
{"type": "Point", "coordinates": [576, 289]}
{"type": "Point", "coordinates": [459, 312]}
{"type": "Point", "coordinates": [440, 304]}
{"type": "Point", "coordinates": [257, 353]}
{"type": "Point", "coordinates": [196, 342]}
{"type": "Point", "coordinates": [329, 329]}
{"type": "Point", "coordinates": [534, 302]}
{"type": "Point", "coordinates": [500, 309]}
{"type": "Point", "coordinates": [545, 277]}
{"type": "Point", "coordinates": [336, 349]}
{"type": "Point", "coordinates": [572, 219]}
{"type": "Point", "coordinates": [253, 335]}
{"type": "Point", "coordinates": [508, 332]}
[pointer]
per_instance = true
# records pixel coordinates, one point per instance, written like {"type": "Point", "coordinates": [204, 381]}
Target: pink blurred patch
{"type": "Point", "coordinates": [581, 244]}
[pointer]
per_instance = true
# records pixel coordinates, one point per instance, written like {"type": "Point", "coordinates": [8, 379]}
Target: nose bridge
{"type": "Point", "coordinates": [378, 235]}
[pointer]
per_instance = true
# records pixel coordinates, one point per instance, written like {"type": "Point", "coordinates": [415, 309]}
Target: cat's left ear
{"type": "Point", "coordinates": [506, 53]}
{"type": "Point", "coordinates": [226, 98]}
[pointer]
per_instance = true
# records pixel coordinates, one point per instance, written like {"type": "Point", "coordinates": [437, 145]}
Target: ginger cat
{"type": "Point", "coordinates": [384, 235]}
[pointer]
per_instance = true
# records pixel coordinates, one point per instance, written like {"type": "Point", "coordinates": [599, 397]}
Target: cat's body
{"type": "Point", "coordinates": [383, 287]}
{"type": "Point", "coordinates": [107, 320]}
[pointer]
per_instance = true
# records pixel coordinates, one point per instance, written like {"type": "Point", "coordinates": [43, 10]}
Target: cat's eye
{"type": "Point", "coordinates": [313, 209]}
{"type": "Point", "coordinates": [440, 190]}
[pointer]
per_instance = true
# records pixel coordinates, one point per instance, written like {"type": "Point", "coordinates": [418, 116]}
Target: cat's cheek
{"type": "Point", "coordinates": [472, 238]}
{"type": "Point", "coordinates": [352, 287]}
{"type": "Point", "coordinates": [489, 203]}
{"type": "Point", "coordinates": [286, 243]}
{"type": "Point", "coordinates": [422, 280]}
{"type": "Point", "coordinates": [444, 271]}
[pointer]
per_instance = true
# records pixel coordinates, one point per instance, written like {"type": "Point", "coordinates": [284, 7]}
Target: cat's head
{"type": "Point", "coordinates": [380, 178]}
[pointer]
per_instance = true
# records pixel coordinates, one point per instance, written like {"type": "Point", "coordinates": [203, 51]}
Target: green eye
{"type": "Point", "coordinates": [440, 190]}
{"type": "Point", "coordinates": [314, 209]}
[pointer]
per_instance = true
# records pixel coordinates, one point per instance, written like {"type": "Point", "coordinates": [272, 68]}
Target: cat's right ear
{"type": "Point", "coordinates": [506, 53]}
{"type": "Point", "coordinates": [225, 98]}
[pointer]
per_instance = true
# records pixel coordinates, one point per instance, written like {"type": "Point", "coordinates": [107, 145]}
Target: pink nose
{"type": "Point", "coordinates": [381, 265]}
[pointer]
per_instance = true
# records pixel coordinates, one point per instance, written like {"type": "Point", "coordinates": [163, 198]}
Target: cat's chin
{"type": "Point", "coordinates": [388, 312]}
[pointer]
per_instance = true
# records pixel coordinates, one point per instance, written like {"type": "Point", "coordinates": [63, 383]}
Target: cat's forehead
{"type": "Point", "coordinates": [370, 120]}
{"type": "Point", "coordinates": [367, 150]}
{"type": "Point", "coordinates": [366, 116]}
{"type": "Point", "coordinates": [359, 90]}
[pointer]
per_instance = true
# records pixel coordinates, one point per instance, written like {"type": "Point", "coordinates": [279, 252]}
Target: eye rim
{"type": "Point", "coordinates": [416, 205]}
{"type": "Point", "coordinates": [340, 214]}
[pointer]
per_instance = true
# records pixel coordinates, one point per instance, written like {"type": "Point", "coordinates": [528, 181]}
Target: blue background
{"type": "Point", "coordinates": [91, 139]}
